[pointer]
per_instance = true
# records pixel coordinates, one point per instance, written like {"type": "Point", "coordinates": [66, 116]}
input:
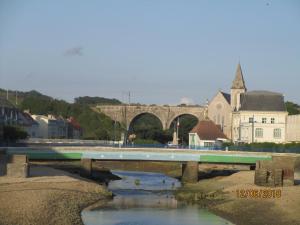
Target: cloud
{"type": "Point", "coordinates": [76, 51]}
{"type": "Point", "coordinates": [187, 101]}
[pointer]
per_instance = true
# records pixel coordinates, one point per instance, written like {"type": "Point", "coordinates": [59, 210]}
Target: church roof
{"type": "Point", "coordinates": [262, 101]}
{"type": "Point", "coordinates": [208, 130]}
{"type": "Point", "coordinates": [226, 96]}
{"type": "Point", "coordinates": [238, 82]}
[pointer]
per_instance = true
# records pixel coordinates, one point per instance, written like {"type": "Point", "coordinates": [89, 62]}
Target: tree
{"type": "Point", "coordinates": [292, 108]}
{"type": "Point", "coordinates": [13, 133]}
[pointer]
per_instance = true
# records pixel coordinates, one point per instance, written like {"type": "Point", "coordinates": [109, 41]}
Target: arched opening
{"type": "Point", "coordinates": [183, 124]}
{"type": "Point", "coordinates": [147, 129]}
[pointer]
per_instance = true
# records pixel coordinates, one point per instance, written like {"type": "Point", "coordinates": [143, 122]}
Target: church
{"type": "Point", "coordinates": [249, 116]}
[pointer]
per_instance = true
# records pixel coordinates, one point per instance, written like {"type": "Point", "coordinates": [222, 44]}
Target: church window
{"type": "Point", "coordinates": [277, 133]}
{"type": "Point", "coordinates": [259, 132]}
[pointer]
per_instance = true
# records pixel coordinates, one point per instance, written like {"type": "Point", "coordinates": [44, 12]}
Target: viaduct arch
{"type": "Point", "coordinates": [125, 114]}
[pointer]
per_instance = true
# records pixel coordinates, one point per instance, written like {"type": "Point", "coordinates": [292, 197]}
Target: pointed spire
{"type": "Point", "coordinates": [238, 82]}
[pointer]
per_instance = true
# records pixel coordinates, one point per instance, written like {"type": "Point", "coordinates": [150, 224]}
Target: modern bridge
{"type": "Point", "coordinates": [191, 160]}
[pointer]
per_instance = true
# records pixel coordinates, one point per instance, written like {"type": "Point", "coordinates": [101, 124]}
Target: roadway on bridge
{"type": "Point", "coordinates": [143, 154]}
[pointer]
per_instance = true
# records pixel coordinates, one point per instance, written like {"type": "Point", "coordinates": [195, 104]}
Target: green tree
{"type": "Point", "coordinates": [13, 133]}
{"type": "Point", "coordinates": [292, 108]}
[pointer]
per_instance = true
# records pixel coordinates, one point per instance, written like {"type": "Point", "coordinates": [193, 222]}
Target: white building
{"type": "Point", "coordinates": [293, 128]}
{"type": "Point", "coordinates": [28, 124]}
{"type": "Point", "coordinates": [206, 134]}
{"type": "Point", "coordinates": [261, 117]}
{"type": "Point", "coordinates": [51, 127]}
{"type": "Point", "coordinates": [255, 116]}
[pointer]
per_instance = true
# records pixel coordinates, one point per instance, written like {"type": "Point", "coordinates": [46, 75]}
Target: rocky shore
{"type": "Point", "coordinates": [222, 196]}
{"type": "Point", "coordinates": [49, 196]}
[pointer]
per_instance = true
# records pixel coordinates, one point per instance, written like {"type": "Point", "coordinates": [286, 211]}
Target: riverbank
{"type": "Point", "coordinates": [49, 196]}
{"type": "Point", "coordinates": [219, 195]}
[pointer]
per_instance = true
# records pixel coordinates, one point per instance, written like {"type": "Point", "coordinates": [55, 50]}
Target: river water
{"type": "Point", "coordinates": [147, 199]}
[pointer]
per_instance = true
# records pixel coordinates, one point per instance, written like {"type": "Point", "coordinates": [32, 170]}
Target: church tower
{"type": "Point", "coordinates": [238, 87]}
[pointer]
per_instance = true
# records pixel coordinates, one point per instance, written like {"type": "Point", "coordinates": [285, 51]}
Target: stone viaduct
{"type": "Point", "coordinates": [126, 114]}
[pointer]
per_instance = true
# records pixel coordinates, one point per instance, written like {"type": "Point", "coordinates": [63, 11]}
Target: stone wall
{"type": "Point", "coordinates": [293, 128]}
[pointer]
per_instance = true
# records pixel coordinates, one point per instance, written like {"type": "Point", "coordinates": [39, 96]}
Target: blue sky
{"type": "Point", "coordinates": [160, 51]}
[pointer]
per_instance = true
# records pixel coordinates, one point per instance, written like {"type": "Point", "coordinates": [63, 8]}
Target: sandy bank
{"type": "Point", "coordinates": [219, 194]}
{"type": "Point", "coordinates": [50, 196]}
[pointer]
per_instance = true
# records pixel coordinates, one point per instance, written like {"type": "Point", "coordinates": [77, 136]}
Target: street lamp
{"type": "Point", "coordinates": [252, 121]}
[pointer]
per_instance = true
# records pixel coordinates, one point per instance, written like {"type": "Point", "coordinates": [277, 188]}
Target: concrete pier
{"type": "Point", "coordinates": [278, 172]}
{"type": "Point", "coordinates": [190, 172]}
{"type": "Point", "coordinates": [3, 161]}
{"type": "Point", "coordinates": [17, 166]}
{"type": "Point", "coordinates": [86, 167]}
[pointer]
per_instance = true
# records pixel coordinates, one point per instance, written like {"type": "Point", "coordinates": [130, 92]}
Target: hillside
{"type": "Point", "coordinates": [86, 100]}
{"type": "Point", "coordinates": [95, 125]}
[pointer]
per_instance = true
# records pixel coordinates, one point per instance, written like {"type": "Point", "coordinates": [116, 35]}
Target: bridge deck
{"type": "Point", "coordinates": [143, 154]}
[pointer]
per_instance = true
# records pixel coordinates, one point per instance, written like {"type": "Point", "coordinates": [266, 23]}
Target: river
{"type": "Point", "coordinates": [147, 199]}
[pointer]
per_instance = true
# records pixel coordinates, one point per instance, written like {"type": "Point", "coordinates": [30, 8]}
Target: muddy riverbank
{"type": "Point", "coordinates": [222, 196]}
{"type": "Point", "coordinates": [49, 196]}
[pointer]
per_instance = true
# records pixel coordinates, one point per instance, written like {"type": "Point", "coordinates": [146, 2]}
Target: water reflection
{"type": "Point", "coordinates": [147, 199]}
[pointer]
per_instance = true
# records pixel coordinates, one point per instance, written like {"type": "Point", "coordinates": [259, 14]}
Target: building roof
{"type": "Point", "coordinates": [238, 82]}
{"type": "Point", "coordinates": [262, 101]}
{"type": "Point", "coordinates": [226, 96]}
{"type": "Point", "coordinates": [74, 123]}
{"type": "Point", "coordinates": [27, 120]}
{"type": "Point", "coordinates": [208, 130]}
{"type": "Point", "coordinates": [5, 103]}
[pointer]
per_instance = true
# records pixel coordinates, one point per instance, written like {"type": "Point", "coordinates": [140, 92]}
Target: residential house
{"type": "Point", "coordinates": [50, 126]}
{"type": "Point", "coordinates": [206, 134]}
{"type": "Point", "coordinates": [74, 129]}
{"type": "Point", "coordinates": [28, 124]}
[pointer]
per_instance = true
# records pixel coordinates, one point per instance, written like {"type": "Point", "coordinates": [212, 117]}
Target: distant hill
{"type": "Point", "coordinates": [86, 100]}
{"type": "Point", "coordinates": [95, 125]}
{"type": "Point", "coordinates": [15, 96]}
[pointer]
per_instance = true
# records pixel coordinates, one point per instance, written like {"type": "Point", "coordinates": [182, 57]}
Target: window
{"type": "Point", "coordinates": [251, 120]}
{"type": "Point", "coordinates": [277, 133]}
{"type": "Point", "coordinates": [264, 120]}
{"type": "Point", "coordinates": [208, 144]}
{"type": "Point", "coordinates": [272, 120]}
{"type": "Point", "coordinates": [259, 133]}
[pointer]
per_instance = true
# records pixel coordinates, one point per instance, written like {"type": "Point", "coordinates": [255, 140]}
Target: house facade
{"type": "Point", "coordinates": [293, 128]}
{"type": "Point", "coordinates": [50, 126]}
{"type": "Point", "coordinates": [261, 118]}
{"type": "Point", "coordinates": [246, 117]}
{"type": "Point", "coordinates": [8, 113]}
{"type": "Point", "coordinates": [206, 134]}
{"type": "Point", "coordinates": [28, 124]}
{"type": "Point", "coordinates": [219, 111]}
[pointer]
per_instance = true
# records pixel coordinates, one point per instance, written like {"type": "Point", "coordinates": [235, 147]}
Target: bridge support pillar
{"type": "Point", "coordinates": [190, 172]}
{"type": "Point", "coordinates": [86, 167]}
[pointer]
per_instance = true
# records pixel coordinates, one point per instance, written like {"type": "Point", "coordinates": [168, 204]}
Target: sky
{"type": "Point", "coordinates": [161, 51]}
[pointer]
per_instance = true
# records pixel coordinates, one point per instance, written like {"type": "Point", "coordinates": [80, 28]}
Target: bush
{"type": "Point", "coordinates": [267, 147]}
{"type": "Point", "coordinates": [13, 133]}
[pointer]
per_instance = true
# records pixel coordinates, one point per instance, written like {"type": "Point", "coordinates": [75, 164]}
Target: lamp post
{"type": "Point", "coordinates": [177, 138]}
{"type": "Point", "coordinates": [252, 128]}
